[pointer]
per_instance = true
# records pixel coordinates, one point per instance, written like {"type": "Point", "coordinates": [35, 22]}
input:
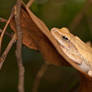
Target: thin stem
{"type": "Point", "coordinates": [6, 33]}
{"type": "Point", "coordinates": [3, 20]}
{"type": "Point", "coordinates": [29, 3]}
{"type": "Point", "coordinates": [39, 75]}
{"type": "Point", "coordinates": [5, 53]}
{"type": "Point", "coordinates": [19, 47]}
{"type": "Point", "coordinates": [3, 32]}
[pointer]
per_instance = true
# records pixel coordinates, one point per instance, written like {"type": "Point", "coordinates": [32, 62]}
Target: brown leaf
{"type": "Point", "coordinates": [34, 38]}
{"type": "Point", "coordinates": [47, 33]}
{"type": "Point", "coordinates": [37, 36]}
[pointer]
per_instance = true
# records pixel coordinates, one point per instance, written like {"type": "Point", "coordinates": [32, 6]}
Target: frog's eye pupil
{"type": "Point", "coordinates": [64, 37]}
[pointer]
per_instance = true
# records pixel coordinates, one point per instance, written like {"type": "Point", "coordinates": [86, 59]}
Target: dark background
{"type": "Point", "coordinates": [55, 13]}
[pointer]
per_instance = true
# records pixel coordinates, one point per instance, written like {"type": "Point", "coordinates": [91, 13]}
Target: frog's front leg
{"type": "Point", "coordinates": [90, 73]}
{"type": "Point", "coordinates": [77, 60]}
{"type": "Point", "coordinates": [86, 68]}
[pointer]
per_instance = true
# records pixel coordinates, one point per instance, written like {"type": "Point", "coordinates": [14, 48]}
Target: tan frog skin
{"type": "Point", "coordinates": [74, 48]}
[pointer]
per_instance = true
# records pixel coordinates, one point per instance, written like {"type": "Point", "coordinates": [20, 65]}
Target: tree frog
{"type": "Point", "coordinates": [74, 48]}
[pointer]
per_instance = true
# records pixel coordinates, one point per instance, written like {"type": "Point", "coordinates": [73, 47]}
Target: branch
{"type": "Point", "coordinates": [4, 55]}
{"type": "Point", "coordinates": [79, 16]}
{"type": "Point", "coordinates": [3, 20]}
{"type": "Point", "coordinates": [89, 21]}
{"type": "Point", "coordinates": [39, 76]}
{"type": "Point", "coordinates": [29, 3]}
{"type": "Point", "coordinates": [6, 33]}
{"type": "Point", "coordinates": [3, 32]}
{"type": "Point", "coordinates": [19, 47]}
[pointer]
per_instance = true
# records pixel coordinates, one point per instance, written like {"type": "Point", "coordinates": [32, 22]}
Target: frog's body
{"type": "Point", "coordinates": [74, 48]}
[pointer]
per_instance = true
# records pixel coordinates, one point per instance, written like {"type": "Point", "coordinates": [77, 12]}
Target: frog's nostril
{"type": "Point", "coordinates": [54, 29]}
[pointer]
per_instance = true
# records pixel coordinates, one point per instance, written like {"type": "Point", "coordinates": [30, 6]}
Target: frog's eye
{"type": "Point", "coordinates": [64, 37]}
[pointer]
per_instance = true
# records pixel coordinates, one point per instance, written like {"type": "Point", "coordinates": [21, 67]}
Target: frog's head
{"type": "Point", "coordinates": [63, 36]}
{"type": "Point", "coordinates": [68, 43]}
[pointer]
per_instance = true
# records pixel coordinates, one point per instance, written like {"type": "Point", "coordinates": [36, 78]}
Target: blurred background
{"type": "Point", "coordinates": [74, 14]}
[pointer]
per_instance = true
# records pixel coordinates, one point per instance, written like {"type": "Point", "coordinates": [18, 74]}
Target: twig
{"type": "Point", "coordinates": [89, 20]}
{"type": "Point", "coordinates": [90, 1]}
{"type": "Point", "coordinates": [79, 16]}
{"type": "Point", "coordinates": [29, 3]}
{"type": "Point", "coordinates": [2, 34]}
{"type": "Point", "coordinates": [19, 47]}
{"type": "Point", "coordinates": [76, 20]}
{"type": "Point", "coordinates": [6, 33]}
{"type": "Point", "coordinates": [39, 76]}
{"type": "Point", "coordinates": [3, 20]}
{"type": "Point", "coordinates": [5, 53]}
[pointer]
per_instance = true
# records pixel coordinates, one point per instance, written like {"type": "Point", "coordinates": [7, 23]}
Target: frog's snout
{"type": "Point", "coordinates": [54, 29]}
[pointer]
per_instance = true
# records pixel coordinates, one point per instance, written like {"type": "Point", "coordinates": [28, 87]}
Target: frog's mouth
{"type": "Point", "coordinates": [76, 58]}
{"type": "Point", "coordinates": [73, 54]}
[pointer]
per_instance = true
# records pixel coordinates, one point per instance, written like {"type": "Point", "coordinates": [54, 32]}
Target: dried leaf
{"type": "Point", "coordinates": [35, 39]}
{"type": "Point", "coordinates": [37, 36]}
